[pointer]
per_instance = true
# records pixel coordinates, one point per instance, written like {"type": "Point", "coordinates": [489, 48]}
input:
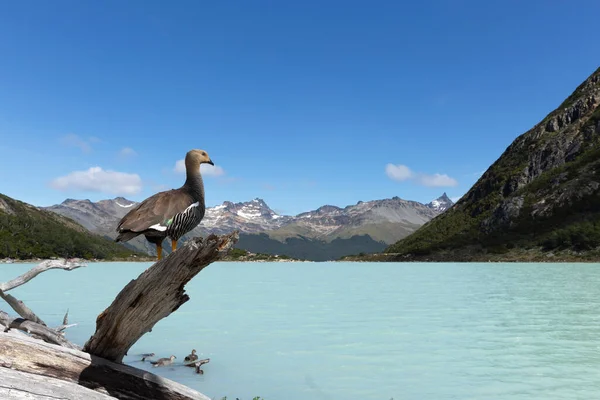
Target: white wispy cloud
{"type": "Point", "coordinates": [73, 140]}
{"type": "Point", "coordinates": [96, 179]}
{"type": "Point", "coordinates": [127, 152]}
{"type": "Point", "coordinates": [436, 180]}
{"type": "Point", "coordinates": [205, 169]}
{"type": "Point", "coordinates": [400, 173]}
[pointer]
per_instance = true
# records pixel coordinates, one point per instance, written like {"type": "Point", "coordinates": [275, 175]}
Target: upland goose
{"type": "Point", "coordinates": [171, 213]}
{"type": "Point", "coordinates": [192, 356]}
{"type": "Point", "coordinates": [161, 362]}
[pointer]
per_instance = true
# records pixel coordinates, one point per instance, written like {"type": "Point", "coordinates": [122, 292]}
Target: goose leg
{"type": "Point", "coordinates": [173, 245]}
{"type": "Point", "coordinates": [159, 251]}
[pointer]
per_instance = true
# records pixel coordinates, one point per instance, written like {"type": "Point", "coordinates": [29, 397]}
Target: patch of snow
{"type": "Point", "coordinates": [248, 215]}
{"type": "Point", "coordinates": [124, 206]}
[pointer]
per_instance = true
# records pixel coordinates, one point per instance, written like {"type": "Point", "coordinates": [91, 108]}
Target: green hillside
{"type": "Point", "coordinates": [28, 232]}
{"type": "Point", "coordinates": [542, 195]}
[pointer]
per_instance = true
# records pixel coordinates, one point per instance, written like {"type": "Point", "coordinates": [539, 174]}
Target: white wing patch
{"type": "Point", "coordinates": [163, 228]}
{"type": "Point", "coordinates": [158, 227]}
{"type": "Point", "coordinates": [196, 204]}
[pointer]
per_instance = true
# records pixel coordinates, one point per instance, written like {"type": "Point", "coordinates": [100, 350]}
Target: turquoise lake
{"type": "Point", "coordinates": [292, 331]}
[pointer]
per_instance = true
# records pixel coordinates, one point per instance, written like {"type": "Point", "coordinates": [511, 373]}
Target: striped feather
{"type": "Point", "coordinates": [185, 221]}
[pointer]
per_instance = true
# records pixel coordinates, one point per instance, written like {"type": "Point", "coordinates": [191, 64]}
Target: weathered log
{"type": "Point", "coordinates": [40, 331]}
{"type": "Point", "coordinates": [38, 269]}
{"type": "Point", "coordinates": [155, 294]}
{"type": "Point", "coordinates": [36, 358]}
{"type": "Point", "coordinates": [19, 385]}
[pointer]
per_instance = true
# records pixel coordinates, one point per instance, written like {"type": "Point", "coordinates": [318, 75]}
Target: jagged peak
{"type": "Point", "coordinates": [444, 197]}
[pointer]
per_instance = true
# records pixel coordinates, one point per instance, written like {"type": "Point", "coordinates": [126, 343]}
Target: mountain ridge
{"type": "Point", "coordinates": [382, 221]}
{"type": "Point", "coordinates": [541, 195]}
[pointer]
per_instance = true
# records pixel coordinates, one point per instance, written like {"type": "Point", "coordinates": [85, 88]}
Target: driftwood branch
{"type": "Point", "coordinates": [35, 329]}
{"type": "Point", "coordinates": [198, 364]}
{"type": "Point", "coordinates": [155, 294]}
{"type": "Point", "coordinates": [61, 328]}
{"type": "Point", "coordinates": [41, 267]}
{"type": "Point", "coordinates": [65, 324]}
{"type": "Point", "coordinates": [20, 308]}
{"type": "Point", "coordinates": [24, 360]}
{"type": "Point", "coordinates": [41, 331]}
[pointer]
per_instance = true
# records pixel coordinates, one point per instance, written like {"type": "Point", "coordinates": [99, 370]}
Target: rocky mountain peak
{"type": "Point", "coordinates": [75, 201]}
{"type": "Point", "coordinates": [541, 193]}
{"type": "Point", "coordinates": [441, 204]}
{"type": "Point", "coordinates": [328, 208]}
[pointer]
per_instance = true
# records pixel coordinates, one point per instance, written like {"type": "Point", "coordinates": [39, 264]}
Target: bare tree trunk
{"type": "Point", "coordinates": [155, 294]}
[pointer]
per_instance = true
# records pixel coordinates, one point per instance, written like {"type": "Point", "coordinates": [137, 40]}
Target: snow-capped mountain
{"type": "Point", "coordinates": [441, 204]}
{"type": "Point", "coordinates": [386, 220]}
{"type": "Point", "coordinates": [250, 217]}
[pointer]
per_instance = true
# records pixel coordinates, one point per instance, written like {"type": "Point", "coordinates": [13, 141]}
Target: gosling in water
{"type": "Point", "coordinates": [147, 355]}
{"type": "Point", "coordinates": [161, 362]}
{"type": "Point", "coordinates": [191, 357]}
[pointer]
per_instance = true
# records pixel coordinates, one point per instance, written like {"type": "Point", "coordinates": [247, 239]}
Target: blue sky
{"type": "Point", "coordinates": [299, 103]}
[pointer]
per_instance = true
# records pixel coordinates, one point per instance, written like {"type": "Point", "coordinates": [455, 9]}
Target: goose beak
{"type": "Point", "coordinates": [210, 162]}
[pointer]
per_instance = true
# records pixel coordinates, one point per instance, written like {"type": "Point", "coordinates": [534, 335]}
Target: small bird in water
{"type": "Point", "coordinates": [192, 356]}
{"type": "Point", "coordinates": [162, 362]}
{"type": "Point", "coordinates": [146, 355]}
{"type": "Point", "coordinates": [171, 213]}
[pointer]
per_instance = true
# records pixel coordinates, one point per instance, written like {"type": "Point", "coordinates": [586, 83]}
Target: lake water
{"type": "Point", "coordinates": [291, 331]}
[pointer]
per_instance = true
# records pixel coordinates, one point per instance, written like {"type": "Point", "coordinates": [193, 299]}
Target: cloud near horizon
{"type": "Point", "coordinates": [400, 173]}
{"type": "Point", "coordinates": [206, 169]}
{"type": "Point", "coordinates": [96, 179]}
